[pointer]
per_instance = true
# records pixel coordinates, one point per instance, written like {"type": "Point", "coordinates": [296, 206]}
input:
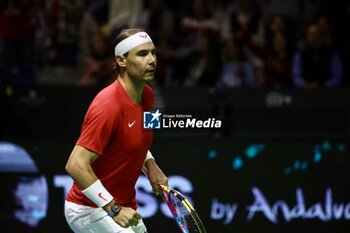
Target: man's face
{"type": "Point", "coordinates": [141, 62]}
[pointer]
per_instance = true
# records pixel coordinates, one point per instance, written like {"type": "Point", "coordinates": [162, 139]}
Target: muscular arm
{"type": "Point", "coordinates": [155, 175]}
{"type": "Point", "coordinates": [79, 166]}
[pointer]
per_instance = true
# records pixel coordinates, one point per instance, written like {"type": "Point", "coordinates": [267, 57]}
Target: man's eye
{"type": "Point", "coordinates": [142, 54]}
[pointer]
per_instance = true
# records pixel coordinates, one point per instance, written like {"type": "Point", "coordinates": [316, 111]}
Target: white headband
{"type": "Point", "coordinates": [131, 42]}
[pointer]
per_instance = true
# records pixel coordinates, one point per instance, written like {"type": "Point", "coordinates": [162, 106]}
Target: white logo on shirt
{"type": "Point", "coordinates": [131, 124]}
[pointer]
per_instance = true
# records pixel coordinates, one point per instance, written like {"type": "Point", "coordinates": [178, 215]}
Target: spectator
{"type": "Point", "coordinates": [280, 24]}
{"type": "Point", "coordinates": [205, 62]}
{"type": "Point", "coordinates": [277, 52]}
{"type": "Point", "coordinates": [325, 28]}
{"type": "Point", "coordinates": [159, 20]}
{"type": "Point", "coordinates": [246, 21]}
{"type": "Point", "coordinates": [247, 25]}
{"type": "Point", "coordinates": [237, 71]}
{"type": "Point", "coordinates": [3, 29]}
{"type": "Point", "coordinates": [17, 32]}
{"type": "Point", "coordinates": [93, 20]}
{"type": "Point", "coordinates": [199, 20]}
{"type": "Point", "coordinates": [64, 18]}
{"type": "Point", "coordinates": [121, 14]}
{"type": "Point", "coordinates": [346, 54]}
{"type": "Point", "coordinates": [316, 65]}
{"type": "Point", "coordinates": [201, 30]}
{"type": "Point", "coordinates": [278, 70]}
{"type": "Point", "coordinates": [97, 67]}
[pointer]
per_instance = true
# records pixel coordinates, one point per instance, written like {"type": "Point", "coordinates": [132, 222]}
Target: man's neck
{"type": "Point", "coordinates": [134, 89]}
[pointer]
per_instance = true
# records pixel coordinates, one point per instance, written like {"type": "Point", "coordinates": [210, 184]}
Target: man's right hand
{"type": "Point", "coordinates": [127, 217]}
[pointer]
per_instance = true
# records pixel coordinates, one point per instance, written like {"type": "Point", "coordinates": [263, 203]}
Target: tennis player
{"type": "Point", "coordinates": [113, 148]}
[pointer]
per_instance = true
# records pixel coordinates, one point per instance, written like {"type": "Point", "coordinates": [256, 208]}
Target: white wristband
{"type": "Point", "coordinates": [98, 194]}
{"type": "Point", "coordinates": [148, 156]}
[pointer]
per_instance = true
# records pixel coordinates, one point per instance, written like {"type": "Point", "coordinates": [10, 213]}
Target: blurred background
{"type": "Point", "coordinates": [275, 72]}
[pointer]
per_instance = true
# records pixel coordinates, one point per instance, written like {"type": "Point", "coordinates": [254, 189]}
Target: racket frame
{"type": "Point", "coordinates": [167, 191]}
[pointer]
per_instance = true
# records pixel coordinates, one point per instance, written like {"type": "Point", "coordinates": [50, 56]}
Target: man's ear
{"type": "Point", "coordinates": [120, 60]}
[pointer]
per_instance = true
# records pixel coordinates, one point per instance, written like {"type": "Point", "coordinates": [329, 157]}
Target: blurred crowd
{"type": "Point", "coordinates": [206, 43]}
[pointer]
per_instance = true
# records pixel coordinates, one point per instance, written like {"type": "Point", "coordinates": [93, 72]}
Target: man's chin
{"type": "Point", "coordinates": [148, 78]}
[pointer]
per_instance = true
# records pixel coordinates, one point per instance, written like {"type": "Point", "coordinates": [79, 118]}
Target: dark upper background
{"type": "Point", "coordinates": [221, 43]}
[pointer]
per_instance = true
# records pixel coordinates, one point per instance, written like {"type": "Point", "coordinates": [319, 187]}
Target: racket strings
{"type": "Point", "coordinates": [185, 216]}
{"type": "Point", "coordinates": [183, 212]}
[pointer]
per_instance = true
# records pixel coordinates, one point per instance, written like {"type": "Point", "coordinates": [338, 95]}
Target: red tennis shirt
{"type": "Point", "coordinates": [113, 128]}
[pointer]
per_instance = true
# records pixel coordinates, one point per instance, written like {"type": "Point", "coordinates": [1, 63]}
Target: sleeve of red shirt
{"type": "Point", "coordinates": [99, 124]}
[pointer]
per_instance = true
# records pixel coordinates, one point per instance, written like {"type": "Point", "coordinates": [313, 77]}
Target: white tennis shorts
{"type": "Point", "coordinates": [86, 219]}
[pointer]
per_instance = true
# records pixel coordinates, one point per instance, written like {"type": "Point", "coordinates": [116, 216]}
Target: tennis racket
{"type": "Point", "coordinates": [184, 214]}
